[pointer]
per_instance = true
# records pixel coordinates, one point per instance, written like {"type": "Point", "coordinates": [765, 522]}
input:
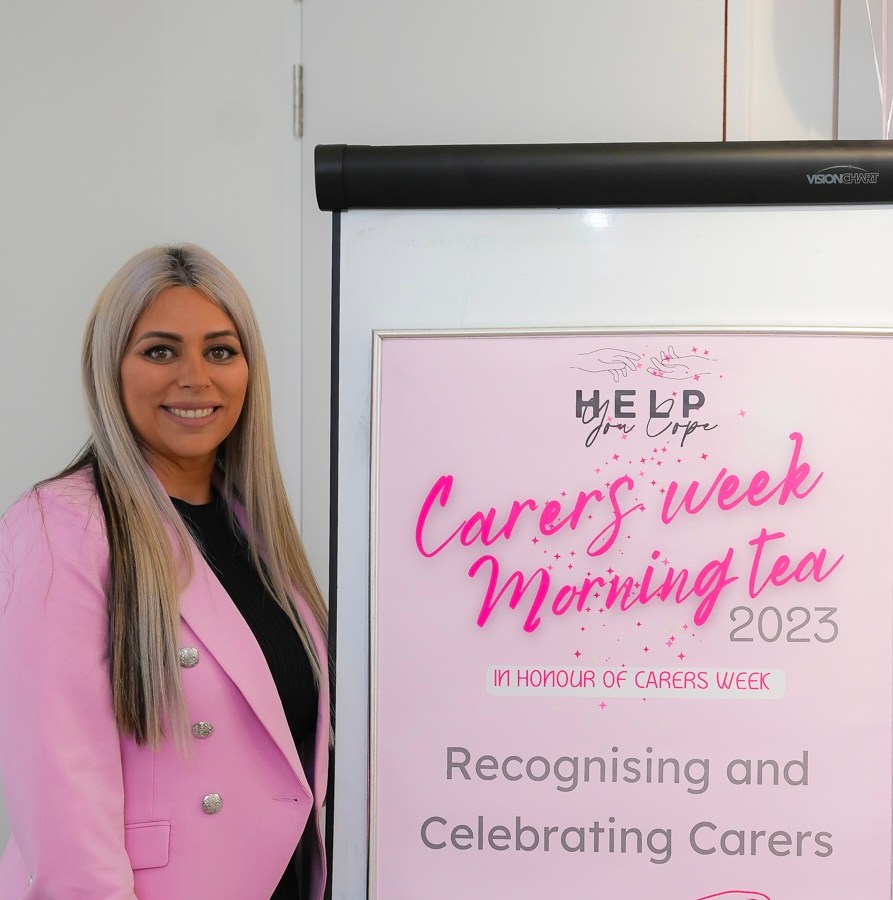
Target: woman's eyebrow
{"type": "Point", "coordinates": [172, 336]}
{"type": "Point", "coordinates": [213, 335]}
{"type": "Point", "coordinates": [164, 335]}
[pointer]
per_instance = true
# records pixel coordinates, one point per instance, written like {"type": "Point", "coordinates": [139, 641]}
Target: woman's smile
{"type": "Point", "coordinates": [186, 413]}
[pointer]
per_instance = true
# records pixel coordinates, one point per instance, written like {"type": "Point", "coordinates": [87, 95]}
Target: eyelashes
{"type": "Point", "coordinates": [222, 352]}
{"type": "Point", "coordinates": [165, 353]}
{"type": "Point", "coordinates": [158, 353]}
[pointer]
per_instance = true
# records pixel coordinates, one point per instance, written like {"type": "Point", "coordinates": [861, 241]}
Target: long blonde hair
{"type": "Point", "coordinates": [145, 570]}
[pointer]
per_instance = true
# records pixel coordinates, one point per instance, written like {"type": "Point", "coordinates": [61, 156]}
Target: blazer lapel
{"type": "Point", "coordinates": [210, 612]}
{"type": "Point", "coordinates": [320, 641]}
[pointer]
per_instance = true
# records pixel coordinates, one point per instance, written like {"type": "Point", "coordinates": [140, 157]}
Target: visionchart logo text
{"type": "Point", "coordinates": [843, 175]}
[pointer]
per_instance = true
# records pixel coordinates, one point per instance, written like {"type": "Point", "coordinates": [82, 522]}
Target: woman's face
{"type": "Point", "coordinates": [183, 383]}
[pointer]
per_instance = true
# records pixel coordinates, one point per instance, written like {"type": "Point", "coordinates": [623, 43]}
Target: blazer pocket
{"type": "Point", "coordinates": [147, 844]}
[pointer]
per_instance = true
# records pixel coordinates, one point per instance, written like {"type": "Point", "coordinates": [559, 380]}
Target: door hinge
{"type": "Point", "coordinates": [298, 95]}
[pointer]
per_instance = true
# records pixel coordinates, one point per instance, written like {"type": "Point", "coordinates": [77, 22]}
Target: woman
{"type": "Point", "coordinates": [163, 685]}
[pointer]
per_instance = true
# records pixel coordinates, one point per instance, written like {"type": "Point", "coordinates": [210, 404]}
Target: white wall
{"type": "Point", "coordinates": [781, 73]}
{"type": "Point", "coordinates": [860, 101]}
{"type": "Point", "coordinates": [80, 190]}
{"type": "Point", "coordinates": [126, 124]}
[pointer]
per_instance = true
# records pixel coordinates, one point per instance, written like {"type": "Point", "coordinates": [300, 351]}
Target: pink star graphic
{"type": "Point", "coordinates": [742, 412]}
{"type": "Point", "coordinates": [535, 540]}
{"type": "Point", "coordinates": [577, 653]}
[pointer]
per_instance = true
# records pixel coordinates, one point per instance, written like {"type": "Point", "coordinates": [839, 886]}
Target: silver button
{"type": "Point", "coordinates": [211, 803]}
{"type": "Point", "coordinates": [202, 730]}
{"type": "Point", "coordinates": [188, 657]}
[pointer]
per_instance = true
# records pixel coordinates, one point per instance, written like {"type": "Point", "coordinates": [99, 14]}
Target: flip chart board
{"type": "Point", "coordinates": [612, 506]}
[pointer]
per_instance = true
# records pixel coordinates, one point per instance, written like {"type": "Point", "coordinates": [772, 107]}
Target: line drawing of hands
{"type": "Point", "coordinates": [680, 368]}
{"type": "Point", "coordinates": [609, 359]}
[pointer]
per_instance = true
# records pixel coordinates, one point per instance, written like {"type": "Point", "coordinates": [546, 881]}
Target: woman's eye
{"type": "Point", "coordinates": [222, 353]}
{"type": "Point", "coordinates": [159, 354]}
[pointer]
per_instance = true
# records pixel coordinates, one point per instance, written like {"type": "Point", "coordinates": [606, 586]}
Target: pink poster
{"type": "Point", "coordinates": [632, 616]}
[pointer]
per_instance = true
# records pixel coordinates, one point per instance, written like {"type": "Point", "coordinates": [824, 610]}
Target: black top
{"type": "Point", "coordinates": [225, 549]}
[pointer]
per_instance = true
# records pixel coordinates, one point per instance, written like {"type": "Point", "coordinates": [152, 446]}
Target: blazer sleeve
{"type": "Point", "coordinates": [60, 755]}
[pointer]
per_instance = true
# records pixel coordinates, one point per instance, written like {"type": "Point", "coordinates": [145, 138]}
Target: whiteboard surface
{"type": "Point", "coordinates": [679, 269]}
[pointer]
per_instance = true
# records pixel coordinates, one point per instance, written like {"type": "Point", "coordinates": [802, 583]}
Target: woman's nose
{"type": "Point", "coordinates": [193, 372]}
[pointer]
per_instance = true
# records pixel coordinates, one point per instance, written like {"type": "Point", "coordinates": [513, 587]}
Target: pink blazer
{"type": "Point", "coordinates": [96, 817]}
